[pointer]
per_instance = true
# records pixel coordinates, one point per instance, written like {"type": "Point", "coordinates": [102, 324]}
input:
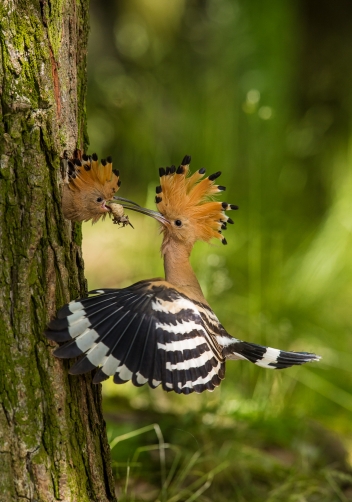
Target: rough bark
{"type": "Point", "coordinates": [53, 442]}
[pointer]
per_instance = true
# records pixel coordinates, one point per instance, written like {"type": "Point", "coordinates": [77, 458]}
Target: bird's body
{"type": "Point", "coordinates": [153, 333]}
{"type": "Point", "coordinates": [162, 331]}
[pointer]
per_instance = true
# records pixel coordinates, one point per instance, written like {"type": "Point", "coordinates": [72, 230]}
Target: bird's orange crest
{"type": "Point", "coordinates": [87, 173]}
{"type": "Point", "coordinates": [188, 199]}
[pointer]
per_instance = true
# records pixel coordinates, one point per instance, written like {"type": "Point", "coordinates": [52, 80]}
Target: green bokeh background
{"type": "Point", "coordinates": [262, 91]}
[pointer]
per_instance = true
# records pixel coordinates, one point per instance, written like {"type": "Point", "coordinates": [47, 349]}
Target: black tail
{"type": "Point", "coordinates": [267, 357]}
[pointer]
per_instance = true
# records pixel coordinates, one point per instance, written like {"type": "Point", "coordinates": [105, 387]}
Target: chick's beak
{"type": "Point", "coordinates": [103, 207]}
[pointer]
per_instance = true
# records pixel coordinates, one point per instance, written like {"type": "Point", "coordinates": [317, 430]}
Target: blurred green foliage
{"type": "Point", "coordinates": [262, 91]}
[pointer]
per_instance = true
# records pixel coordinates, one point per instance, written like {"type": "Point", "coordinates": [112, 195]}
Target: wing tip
{"type": "Point", "coordinates": [82, 366]}
{"type": "Point", "coordinates": [67, 351]}
{"type": "Point", "coordinates": [58, 336]}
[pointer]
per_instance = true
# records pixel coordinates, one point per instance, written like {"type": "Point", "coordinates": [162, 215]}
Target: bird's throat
{"type": "Point", "coordinates": [178, 270]}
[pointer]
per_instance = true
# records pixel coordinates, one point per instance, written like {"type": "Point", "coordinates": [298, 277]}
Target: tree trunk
{"type": "Point", "coordinates": [53, 442]}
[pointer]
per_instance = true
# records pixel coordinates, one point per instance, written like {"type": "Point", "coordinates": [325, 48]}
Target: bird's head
{"type": "Point", "coordinates": [91, 185]}
{"type": "Point", "coordinates": [186, 209]}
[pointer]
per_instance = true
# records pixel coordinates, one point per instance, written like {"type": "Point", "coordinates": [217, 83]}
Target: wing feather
{"type": "Point", "coordinates": [147, 333]}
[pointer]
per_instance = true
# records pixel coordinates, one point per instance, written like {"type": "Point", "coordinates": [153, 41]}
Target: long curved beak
{"type": "Point", "coordinates": [127, 201]}
{"type": "Point", "coordinates": [126, 204]}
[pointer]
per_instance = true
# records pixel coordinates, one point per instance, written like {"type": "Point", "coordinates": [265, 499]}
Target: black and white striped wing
{"type": "Point", "coordinates": [147, 333]}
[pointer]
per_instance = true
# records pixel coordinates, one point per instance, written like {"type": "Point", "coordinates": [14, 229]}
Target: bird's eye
{"type": "Point", "coordinates": [99, 199]}
{"type": "Point", "coordinates": [178, 223]}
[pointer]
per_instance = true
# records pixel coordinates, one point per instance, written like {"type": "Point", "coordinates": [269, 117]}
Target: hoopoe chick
{"type": "Point", "coordinates": [162, 331]}
{"type": "Point", "coordinates": [89, 189]}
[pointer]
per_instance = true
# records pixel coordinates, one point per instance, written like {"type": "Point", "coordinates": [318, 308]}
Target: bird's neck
{"type": "Point", "coordinates": [178, 270]}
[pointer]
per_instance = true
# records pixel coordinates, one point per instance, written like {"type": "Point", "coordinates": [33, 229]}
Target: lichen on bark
{"type": "Point", "coordinates": [53, 442]}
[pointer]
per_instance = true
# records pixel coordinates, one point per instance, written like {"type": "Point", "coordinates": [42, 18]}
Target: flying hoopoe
{"type": "Point", "coordinates": [162, 331]}
{"type": "Point", "coordinates": [89, 187]}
